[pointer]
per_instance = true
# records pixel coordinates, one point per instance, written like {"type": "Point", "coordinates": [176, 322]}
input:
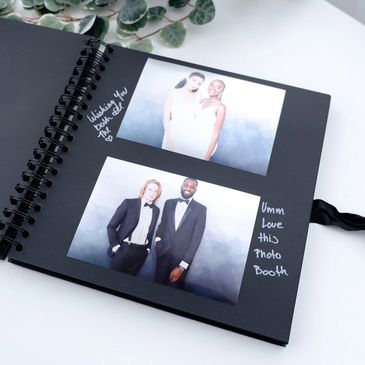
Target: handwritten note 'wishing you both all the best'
{"type": "Point", "coordinates": [102, 116]}
{"type": "Point", "coordinates": [269, 259]}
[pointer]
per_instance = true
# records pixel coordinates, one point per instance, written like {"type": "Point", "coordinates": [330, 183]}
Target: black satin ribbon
{"type": "Point", "coordinates": [327, 214]}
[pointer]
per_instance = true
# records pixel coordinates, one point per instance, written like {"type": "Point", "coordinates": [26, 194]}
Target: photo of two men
{"type": "Point", "coordinates": [131, 229]}
{"type": "Point", "coordinates": [168, 229]}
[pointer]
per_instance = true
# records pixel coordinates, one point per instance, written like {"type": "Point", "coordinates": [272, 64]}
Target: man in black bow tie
{"type": "Point", "coordinates": [179, 235]}
{"type": "Point", "coordinates": [131, 229]}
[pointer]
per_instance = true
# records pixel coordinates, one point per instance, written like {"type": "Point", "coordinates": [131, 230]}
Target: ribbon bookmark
{"type": "Point", "coordinates": [327, 214]}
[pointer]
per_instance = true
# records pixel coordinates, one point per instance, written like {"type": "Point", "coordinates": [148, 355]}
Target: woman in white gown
{"type": "Point", "coordinates": [179, 112]}
{"type": "Point", "coordinates": [208, 124]}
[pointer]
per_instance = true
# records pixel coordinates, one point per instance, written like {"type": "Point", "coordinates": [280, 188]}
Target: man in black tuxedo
{"type": "Point", "coordinates": [131, 229]}
{"type": "Point", "coordinates": [179, 235]}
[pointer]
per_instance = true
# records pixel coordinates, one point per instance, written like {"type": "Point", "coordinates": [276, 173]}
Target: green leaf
{"type": "Point", "coordinates": [132, 11]}
{"type": "Point", "coordinates": [178, 3]}
{"type": "Point", "coordinates": [14, 16]}
{"type": "Point", "coordinates": [43, 10]}
{"type": "Point", "coordinates": [52, 6]}
{"type": "Point", "coordinates": [95, 5]}
{"type": "Point", "coordinates": [173, 35]}
{"type": "Point", "coordinates": [6, 10]}
{"type": "Point", "coordinates": [145, 45]}
{"type": "Point", "coordinates": [203, 13]}
{"type": "Point", "coordinates": [86, 23]}
{"type": "Point", "coordinates": [132, 28]}
{"type": "Point", "coordinates": [68, 2]}
{"type": "Point", "coordinates": [30, 4]}
{"type": "Point", "coordinates": [69, 27]}
{"type": "Point", "coordinates": [156, 13]}
{"type": "Point", "coordinates": [122, 34]}
{"type": "Point", "coordinates": [91, 5]}
{"type": "Point", "coordinates": [99, 29]}
{"type": "Point", "coordinates": [105, 2]}
{"type": "Point", "coordinates": [50, 21]}
{"type": "Point", "coordinates": [5, 3]}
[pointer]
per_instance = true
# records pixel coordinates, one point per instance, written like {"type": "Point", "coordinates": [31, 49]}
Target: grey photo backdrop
{"type": "Point", "coordinates": [252, 115]}
{"type": "Point", "coordinates": [218, 266]}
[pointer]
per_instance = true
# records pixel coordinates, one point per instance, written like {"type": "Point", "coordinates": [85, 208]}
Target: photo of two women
{"type": "Point", "coordinates": [204, 115]}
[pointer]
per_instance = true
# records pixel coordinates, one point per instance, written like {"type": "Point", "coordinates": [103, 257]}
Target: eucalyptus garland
{"type": "Point", "coordinates": [132, 17]}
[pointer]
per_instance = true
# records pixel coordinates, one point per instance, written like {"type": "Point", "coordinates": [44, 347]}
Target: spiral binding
{"type": "Point", "coordinates": [66, 115]}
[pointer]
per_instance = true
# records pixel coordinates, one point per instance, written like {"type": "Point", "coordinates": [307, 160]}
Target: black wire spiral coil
{"type": "Point", "coordinates": [67, 113]}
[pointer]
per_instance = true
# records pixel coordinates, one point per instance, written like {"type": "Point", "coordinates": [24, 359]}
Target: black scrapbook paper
{"type": "Point", "coordinates": [36, 64]}
{"type": "Point", "coordinates": [264, 304]}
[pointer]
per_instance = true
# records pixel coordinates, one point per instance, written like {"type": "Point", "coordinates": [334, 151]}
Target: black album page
{"type": "Point", "coordinates": [189, 189]}
{"type": "Point", "coordinates": [36, 64]}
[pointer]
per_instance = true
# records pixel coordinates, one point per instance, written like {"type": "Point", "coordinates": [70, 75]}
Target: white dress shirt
{"type": "Point", "coordinates": [140, 233]}
{"type": "Point", "coordinates": [179, 213]}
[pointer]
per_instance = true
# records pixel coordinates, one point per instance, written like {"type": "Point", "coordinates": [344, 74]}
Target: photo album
{"type": "Point", "coordinates": [176, 185]}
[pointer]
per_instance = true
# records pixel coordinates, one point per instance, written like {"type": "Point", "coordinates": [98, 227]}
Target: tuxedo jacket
{"type": "Point", "coordinates": [125, 220]}
{"type": "Point", "coordinates": [183, 242]}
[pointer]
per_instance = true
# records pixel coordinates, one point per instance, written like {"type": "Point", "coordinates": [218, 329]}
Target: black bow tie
{"type": "Point", "coordinates": [148, 205]}
{"type": "Point", "coordinates": [184, 200]}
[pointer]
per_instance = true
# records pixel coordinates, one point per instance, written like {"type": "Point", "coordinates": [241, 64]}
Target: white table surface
{"type": "Point", "coordinates": [305, 43]}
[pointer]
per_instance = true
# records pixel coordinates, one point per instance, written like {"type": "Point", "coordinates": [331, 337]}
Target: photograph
{"type": "Point", "coordinates": [205, 115]}
{"type": "Point", "coordinates": [171, 229]}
